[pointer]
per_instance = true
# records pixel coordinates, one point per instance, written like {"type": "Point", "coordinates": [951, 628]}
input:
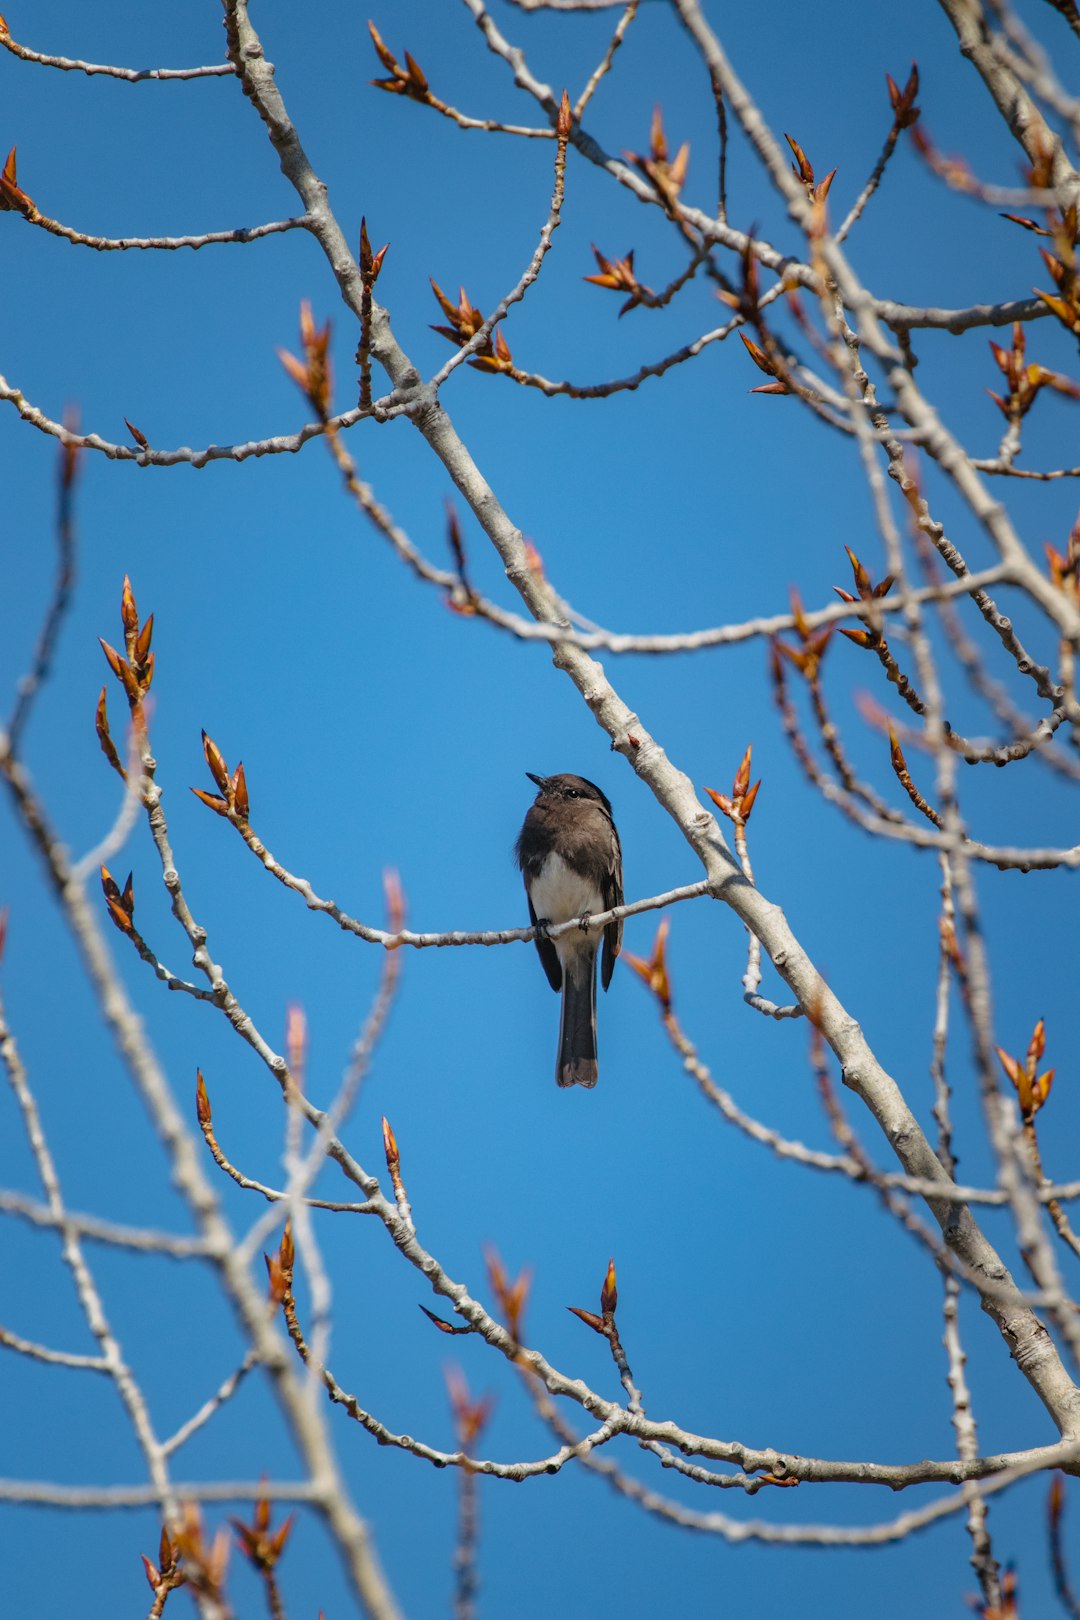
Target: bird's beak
{"type": "Point", "coordinates": [539, 780]}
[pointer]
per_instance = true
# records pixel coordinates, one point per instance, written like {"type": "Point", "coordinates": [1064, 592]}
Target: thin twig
{"type": "Point", "coordinates": [63, 586]}
{"type": "Point", "coordinates": [133, 75]}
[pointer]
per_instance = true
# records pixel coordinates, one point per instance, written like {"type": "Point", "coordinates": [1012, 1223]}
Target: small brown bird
{"type": "Point", "coordinates": [571, 859]}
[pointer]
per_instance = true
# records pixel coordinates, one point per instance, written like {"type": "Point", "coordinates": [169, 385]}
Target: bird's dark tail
{"type": "Point", "coordinates": [577, 1029]}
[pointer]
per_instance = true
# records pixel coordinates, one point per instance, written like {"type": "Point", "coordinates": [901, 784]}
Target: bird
{"type": "Point", "coordinates": [570, 857]}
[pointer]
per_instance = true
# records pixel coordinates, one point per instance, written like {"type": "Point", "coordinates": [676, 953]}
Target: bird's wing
{"type": "Point", "coordinates": [549, 956]}
{"type": "Point", "coordinates": [613, 896]}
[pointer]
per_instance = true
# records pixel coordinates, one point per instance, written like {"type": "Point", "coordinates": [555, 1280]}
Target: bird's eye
{"type": "Point", "coordinates": [572, 793]}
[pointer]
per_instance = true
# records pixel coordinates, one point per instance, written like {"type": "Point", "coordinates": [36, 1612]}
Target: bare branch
{"type": "Point", "coordinates": [132, 75]}
{"type": "Point", "coordinates": [167, 244]}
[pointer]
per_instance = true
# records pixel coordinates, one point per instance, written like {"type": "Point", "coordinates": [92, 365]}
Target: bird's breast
{"type": "Point", "coordinates": [558, 892]}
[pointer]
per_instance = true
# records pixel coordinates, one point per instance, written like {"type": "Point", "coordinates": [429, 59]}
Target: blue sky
{"type": "Point", "coordinates": [757, 1301]}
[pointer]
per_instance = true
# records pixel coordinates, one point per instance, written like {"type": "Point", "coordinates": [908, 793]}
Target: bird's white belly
{"type": "Point", "coordinates": [560, 893]}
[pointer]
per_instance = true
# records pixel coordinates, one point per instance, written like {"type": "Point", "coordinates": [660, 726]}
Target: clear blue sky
{"type": "Point", "coordinates": [757, 1301]}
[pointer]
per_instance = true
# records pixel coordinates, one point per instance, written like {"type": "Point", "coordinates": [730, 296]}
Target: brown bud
{"type": "Point", "coordinates": [588, 1317]}
{"type": "Point", "coordinates": [370, 263]}
{"type": "Point", "coordinates": [120, 905]}
{"type": "Point", "coordinates": [12, 195]}
{"type": "Point", "coordinates": [202, 1099]}
{"type": "Point", "coordinates": [453, 535]}
{"type": "Point", "coordinates": [113, 657]}
{"type": "Point", "coordinates": [609, 1294]}
{"type": "Point", "coordinates": [142, 641]}
{"type": "Point", "coordinates": [277, 1541]}
{"type": "Point", "coordinates": [654, 972]}
{"type": "Point", "coordinates": [802, 168]}
{"type": "Point", "coordinates": [129, 613]}
{"type": "Point", "coordinates": [390, 1147]}
{"type": "Point", "coordinates": [1002, 356]}
{"type": "Point", "coordinates": [792, 654]}
{"type": "Point", "coordinates": [758, 356]}
{"type": "Point", "coordinates": [904, 109]}
{"type": "Point", "coordinates": [1040, 1088]}
{"type": "Point", "coordinates": [821, 190]}
{"type": "Point", "coordinates": [119, 915]}
{"type": "Point", "coordinates": [212, 801]}
{"type": "Point", "coordinates": [416, 73]}
{"type": "Point", "coordinates": [444, 1327]}
{"type": "Point", "coordinates": [218, 768]}
{"type": "Point", "coordinates": [101, 724]}
{"type": "Point", "coordinates": [1009, 1064]}
{"type": "Point", "coordinates": [239, 791]}
{"type": "Point", "coordinates": [657, 138]}
{"type": "Point", "coordinates": [742, 775]}
{"type": "Point", "coordinates": [1028, 224]}
{"type": "Point", "coordinates": [388, 61]}
{"type": "Point", "coordinates": [278, 1290]}
{"type": "Point", "coordinates": [862, 578]}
